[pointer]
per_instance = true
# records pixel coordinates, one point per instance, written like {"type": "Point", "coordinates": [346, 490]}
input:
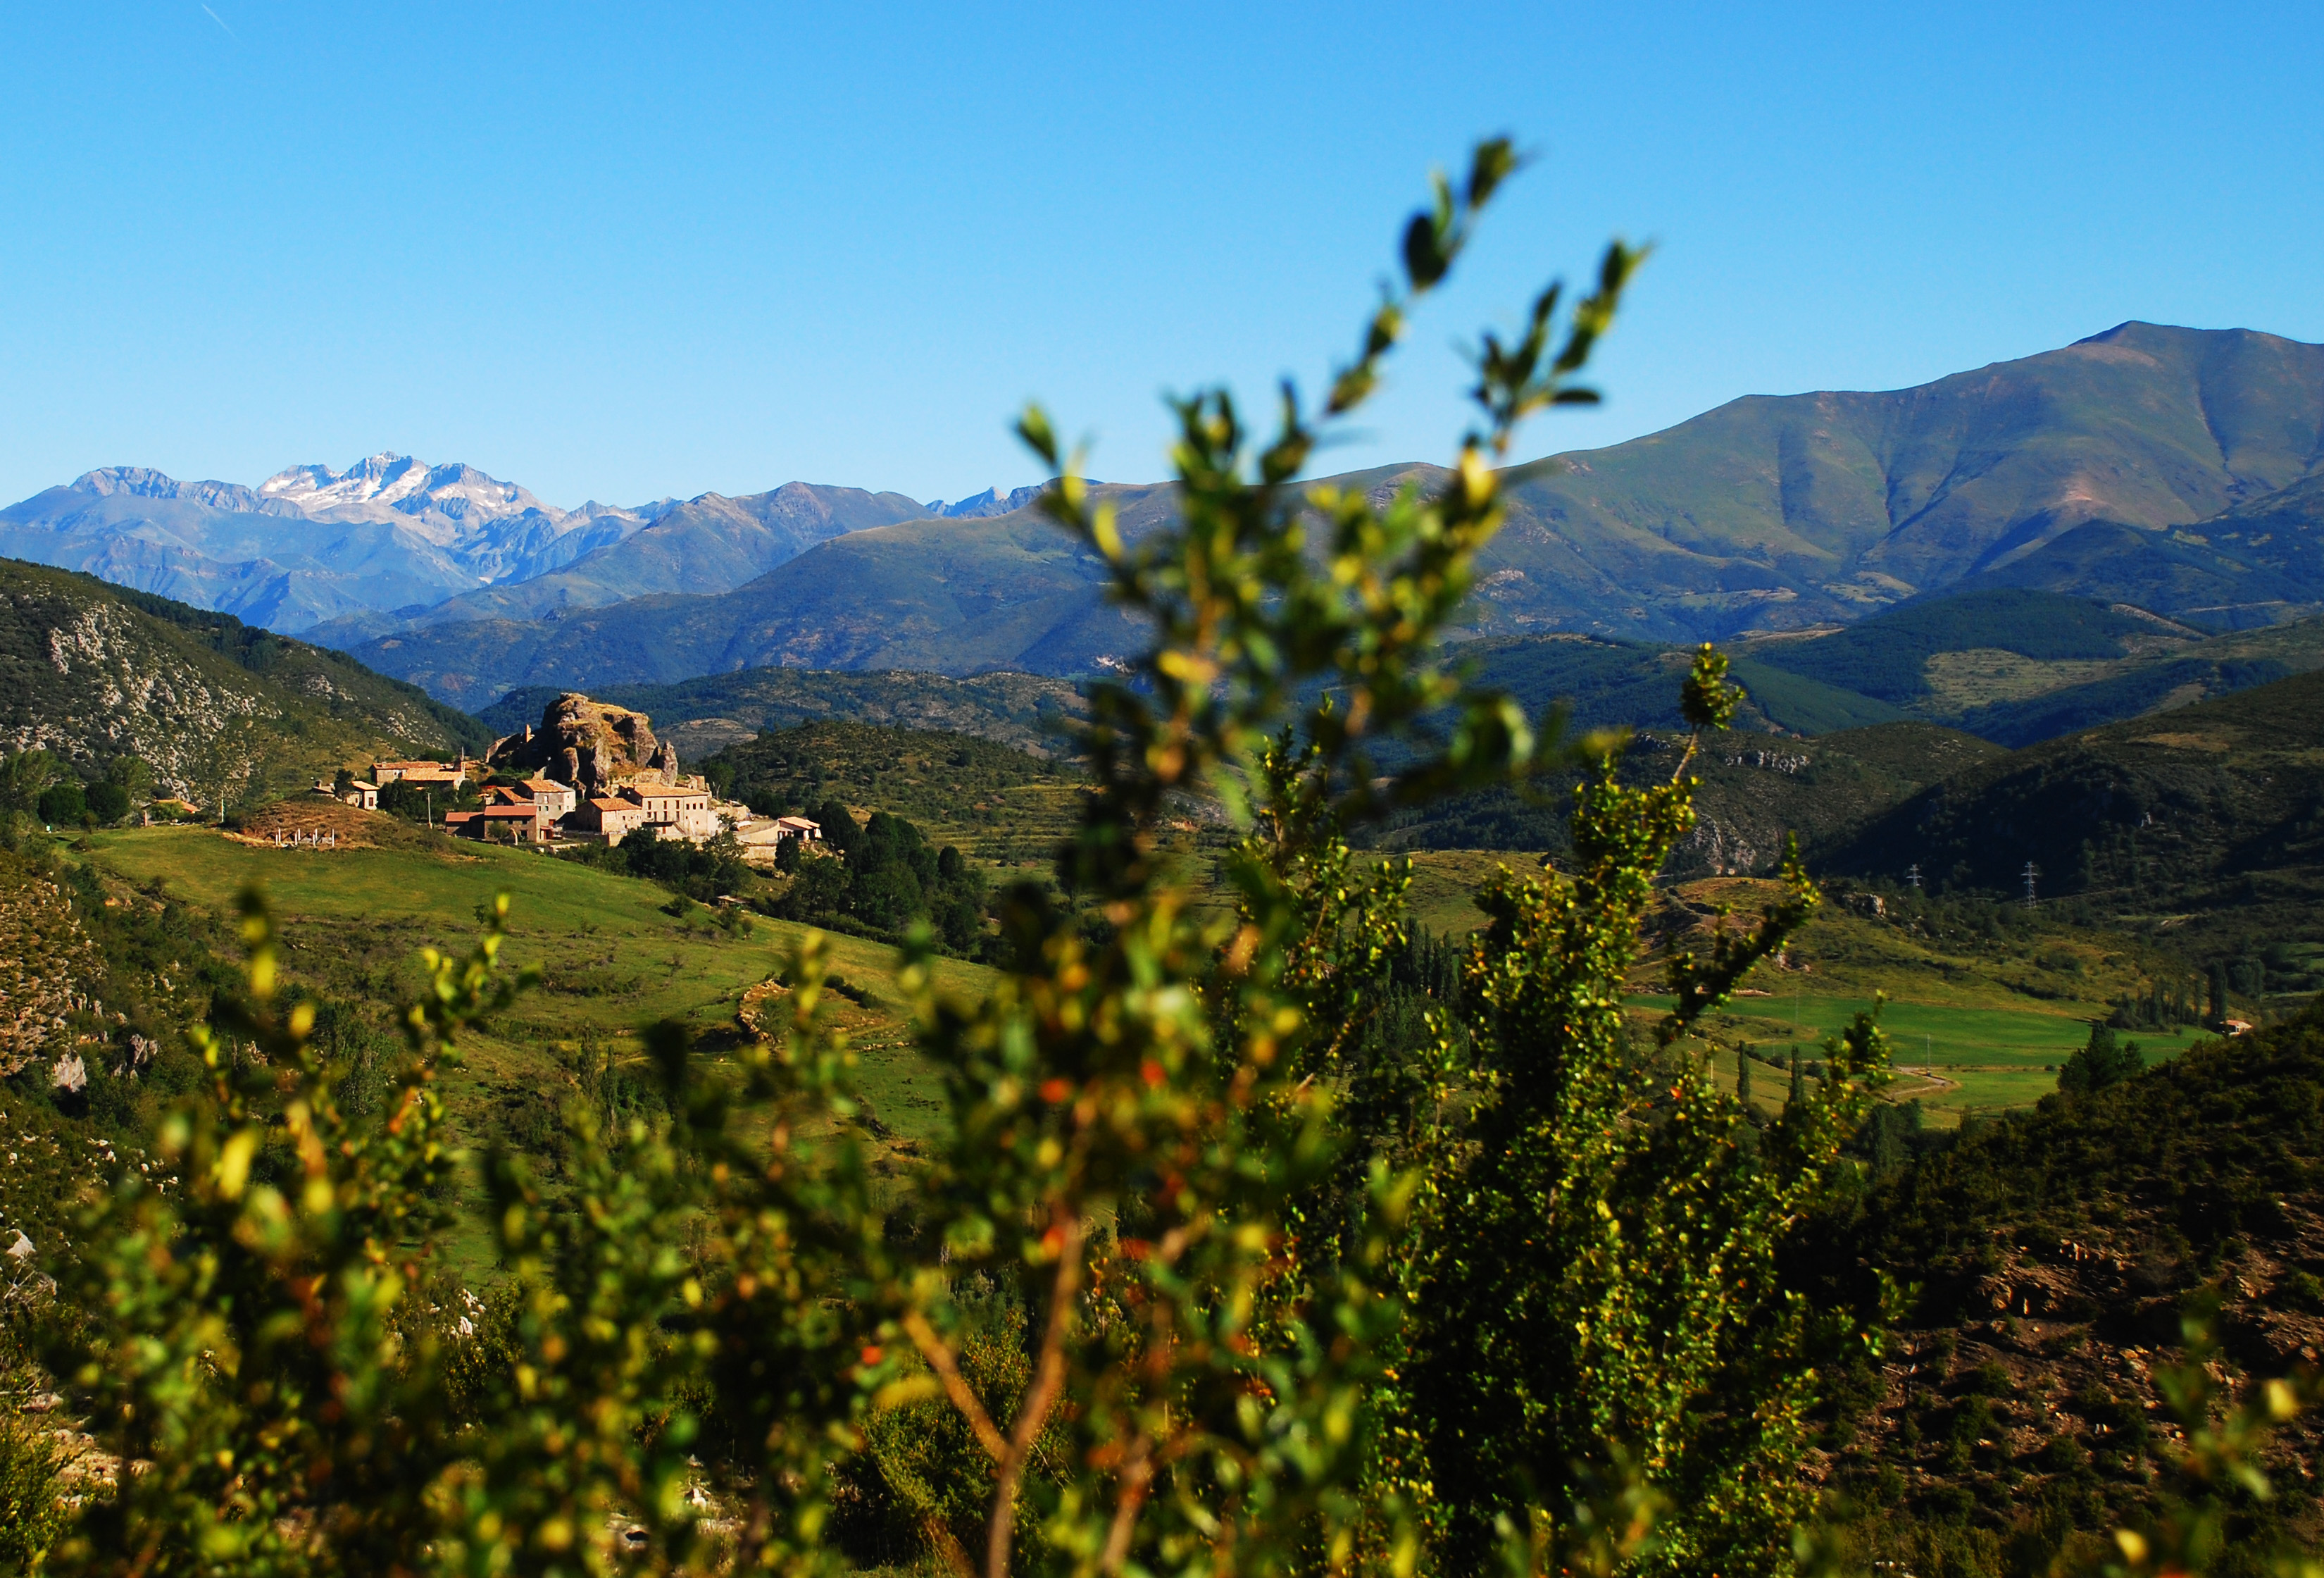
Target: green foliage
{"type": "Point", "coordinates": [996, 803]}
{"type": "Point", "coordinates": [884, 878]}
{"type": "Point", "coordinates": [704, 870]}
{"type": "Point", "coordinates": [25, 776]}
{"type": "Point", "coordinates": [107, 802]}
{"type": "Point", "coordinates": [63, 805]}
{"type": "Point", "coordinates": [242, 1333]}
{"type": "Point", "coordinates": [2103, 1061]}
{"type": "Point", "coordinates": [33, 1511]}
{"type": "Point", "coordinates": [1595, 1274]}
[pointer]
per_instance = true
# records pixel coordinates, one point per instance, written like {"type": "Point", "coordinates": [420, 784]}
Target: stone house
{"type": "Point", "coordinates": [762, 836]}
{"type": "Point", "coordinates": [421, 774]}
{"type": "Point", "coordinates": [610, 817]}
{"type": "Point", "coordinates": [676, 810]}
{"type": "Point", "coordinates": [359, 793]}
{"type": "Point", "coordinates": [510, 821]}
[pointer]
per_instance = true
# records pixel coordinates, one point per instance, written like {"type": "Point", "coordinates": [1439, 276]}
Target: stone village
{"type": "Point", "coordinates": [591, 771]}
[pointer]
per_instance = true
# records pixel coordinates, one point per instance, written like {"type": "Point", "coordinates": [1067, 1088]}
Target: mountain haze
{"type": "Point", "coordinates": [389, 540]}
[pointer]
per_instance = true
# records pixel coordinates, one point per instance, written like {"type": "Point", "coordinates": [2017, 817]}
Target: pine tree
{"type": "Point", "coordinates": [1743, 1076]}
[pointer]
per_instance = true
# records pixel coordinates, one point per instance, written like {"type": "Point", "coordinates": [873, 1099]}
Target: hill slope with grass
{"type": "Point", "coordinates": [995, 803]}
{"type": "Point", "coordinates": [92, 671]}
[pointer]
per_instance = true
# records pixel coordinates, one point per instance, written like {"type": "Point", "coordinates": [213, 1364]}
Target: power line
{"type": "Point", "coordinates": [2031, 871]}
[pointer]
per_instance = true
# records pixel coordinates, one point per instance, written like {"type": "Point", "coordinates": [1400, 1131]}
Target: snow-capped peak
{"type": "Point", "coordinates": [460, 493]}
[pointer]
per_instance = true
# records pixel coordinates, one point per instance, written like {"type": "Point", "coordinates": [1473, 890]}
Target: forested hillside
{"type": "Point", "coordinates": [2208, 820]}
{"type": "Point", "coordinates": [719, 710]}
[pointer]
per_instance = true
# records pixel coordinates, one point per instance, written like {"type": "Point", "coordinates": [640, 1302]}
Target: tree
{"type": "Point", "coordinates": [132, 776]}
{"type": "Point", "coordinates": [25, 776]}
{"type": "Point", "coordinates": [107, 802]}
{"type": "Point", "coordinates": [63, 804]}
{"type": "Point", "coordinates": [2100, 1062]}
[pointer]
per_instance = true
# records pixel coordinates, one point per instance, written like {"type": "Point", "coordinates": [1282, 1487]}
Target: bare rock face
{"type": "Point", "coordinates": [589, 744]}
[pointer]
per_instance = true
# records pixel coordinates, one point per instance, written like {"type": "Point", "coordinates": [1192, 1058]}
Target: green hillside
{"type": "Point", "coordinates": [92, 671]}
{"type": "Point", "coordinates": [719, 710]}
{"type": "Point", "coordinates": [996, 803]}
{"type": "Point", "coordinates": [1756, 789]}
{"type": "Point", "coordinates": [2205, 823]}
{"type": "Point", "coordinates": [2261, 562]}
{"type": "Point", "coordinates": [1886, 657]}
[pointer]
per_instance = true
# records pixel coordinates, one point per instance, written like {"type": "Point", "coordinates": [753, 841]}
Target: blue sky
{"type": "Point", "coordinates": [618, 250]}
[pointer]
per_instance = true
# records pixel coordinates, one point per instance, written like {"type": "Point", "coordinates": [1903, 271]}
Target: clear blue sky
{"type": "Point", "coordinates": [620, 251]}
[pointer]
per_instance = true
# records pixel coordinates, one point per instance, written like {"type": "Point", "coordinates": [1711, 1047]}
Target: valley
{"type": "Point", "coordinates": [1967, 666]}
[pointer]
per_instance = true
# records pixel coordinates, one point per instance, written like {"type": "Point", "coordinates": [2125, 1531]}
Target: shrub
{"type": "Point", "coordinates": [33, 1511]}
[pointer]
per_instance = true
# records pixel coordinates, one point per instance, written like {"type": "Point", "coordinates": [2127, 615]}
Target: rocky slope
{"type": "Point", "coordinates": [589, 744]}
{"type": "Point", "coordinates": [215, 708]}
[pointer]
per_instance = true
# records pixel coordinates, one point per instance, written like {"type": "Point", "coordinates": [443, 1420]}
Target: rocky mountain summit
{"type": "Point", "coordinates": [589, 744]}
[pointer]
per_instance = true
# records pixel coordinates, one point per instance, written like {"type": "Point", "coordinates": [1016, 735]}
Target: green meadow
{"type": "Point", "coordinates": [1957, 1062]}
{"type": "Point", "coordinates": [613, 958]}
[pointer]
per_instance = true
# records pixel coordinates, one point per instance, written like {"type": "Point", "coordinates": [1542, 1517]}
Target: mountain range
{"type": "Point", "coordinates": [2179, 470]}
{"type": "Point", "coordinates": [392, 540]}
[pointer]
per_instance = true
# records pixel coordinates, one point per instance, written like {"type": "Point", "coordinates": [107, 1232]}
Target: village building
{"type": "Point", "coordinates": [561, 798]}
{"type": "Point", "coordinates": [502, 822]}
{"type": "Point", "coordinates": [761, 837]}
{"type": "Point", "coordinates": [358, 793]}
{"type": "Point", "coordinates": [607, 816]}
{"type": "Point", "coordinates": [675, 810]}
{"type": "Point", "coordinates": [421, 774]}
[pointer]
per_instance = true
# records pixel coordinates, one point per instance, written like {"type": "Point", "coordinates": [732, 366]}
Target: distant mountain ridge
{"type": "Point", "coordinates": [2179, 470]}
{"type": "Point", "coordinates": [390, 540]}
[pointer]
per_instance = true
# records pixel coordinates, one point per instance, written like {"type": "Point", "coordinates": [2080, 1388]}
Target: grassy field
{"type": "Point", "coordinates": [612, 959]}
{"type": "Point", "coordinates": [1955, 1061]}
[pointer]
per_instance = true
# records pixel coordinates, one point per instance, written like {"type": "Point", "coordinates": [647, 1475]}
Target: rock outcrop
{"type": "Point", "coordinates": [592, 745]}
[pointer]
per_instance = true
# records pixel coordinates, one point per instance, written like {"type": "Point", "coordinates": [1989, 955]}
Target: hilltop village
{"type": "Point", "coordinates": [591, 773]}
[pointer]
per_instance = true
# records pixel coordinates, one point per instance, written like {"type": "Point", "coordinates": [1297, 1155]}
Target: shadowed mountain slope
{"type": "Point", "coordinates": [2207, 819]}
